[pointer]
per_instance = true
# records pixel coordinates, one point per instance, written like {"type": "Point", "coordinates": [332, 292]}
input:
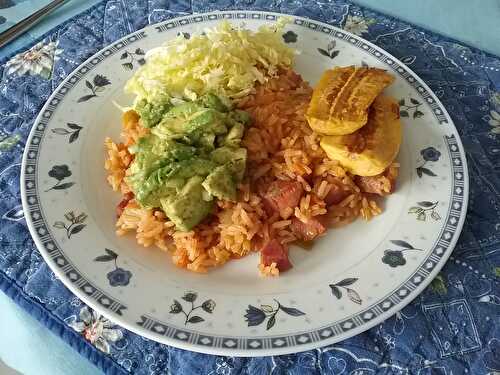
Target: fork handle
{"type": "Point", "coordinates": [23, 25]}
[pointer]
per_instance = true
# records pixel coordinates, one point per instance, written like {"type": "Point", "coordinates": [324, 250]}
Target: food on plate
{"type": "Point", "coordinates": [225, 60]}
{"type": "Point", "coordinates": [381, 184]}
{"type": "Point", "coordinates": [371, 149]}
{"type": "Point", "coordinates": [189, 158]}
{"type": "Point", "coordinates": [218, 159]}
{"type": "Point", "coordinates": [342, 97]}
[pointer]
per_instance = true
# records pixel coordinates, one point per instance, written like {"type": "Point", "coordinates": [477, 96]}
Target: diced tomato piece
{"type": "Point", "coordinates": [274, 252]}
{"type": "Point", "coordinates": [123, 203]}
{"type": "Point", "coordinates": [336, 195]}
{"type": "Point", "coordinates": [308, 231]}
{"type": "Point", "coordinates": [283, 194]}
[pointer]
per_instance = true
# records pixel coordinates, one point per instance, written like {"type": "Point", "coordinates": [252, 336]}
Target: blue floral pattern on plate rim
{"type": "Point", "coordinates": [217, 344]}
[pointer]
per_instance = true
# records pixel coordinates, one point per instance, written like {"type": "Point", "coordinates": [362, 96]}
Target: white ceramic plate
{"type": "Point", "coordinates": [353, 278]}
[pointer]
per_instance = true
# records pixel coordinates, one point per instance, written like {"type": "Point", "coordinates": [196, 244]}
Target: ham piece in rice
{"type": "Point", "coordinates": [127, 197]}
{"type": "Point", "coordinates": [282, 196]}
{"type": "Point", "coordinates": [309, 230]}
{"type": "Point", "coordinates": [275, 252]}
{"type": "Point", "coordinates": [336, 194]}
{"type": "Point", "coordinates": [382, 184]}
{"type": "Point", "coordinates": [291, 192]}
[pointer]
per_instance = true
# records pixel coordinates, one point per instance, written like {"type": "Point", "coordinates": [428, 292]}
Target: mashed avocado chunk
{"type": "Point", "coordinates": [191, 156]}
{"type": "Point", "coordinates": [152, 113]}
{"type": "Point", "coordinates": [187, 208]}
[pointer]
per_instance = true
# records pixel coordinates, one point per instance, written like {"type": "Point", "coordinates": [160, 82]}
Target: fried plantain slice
{"type": "Point", "coordinates": [371, 149]}
{"type": "Point", "coordinates": [342, 97]}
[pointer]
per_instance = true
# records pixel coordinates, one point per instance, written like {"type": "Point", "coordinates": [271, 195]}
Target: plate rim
{"type": "Point", "coordinates": [245, 352]}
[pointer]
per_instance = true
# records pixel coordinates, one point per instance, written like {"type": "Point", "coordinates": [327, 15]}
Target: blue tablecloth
{"type": "Point", "coordinates": [463, 333]}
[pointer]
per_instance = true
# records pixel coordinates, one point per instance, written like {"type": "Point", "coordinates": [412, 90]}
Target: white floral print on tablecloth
{"type": "Point", "coordinates": [357, 25]}
{"type": "Point", "coordinates": [95, 328]}
{"type": "Point", "coordinates": [38, 60]}
{"type": "Point", "coordinates": [494, 121]}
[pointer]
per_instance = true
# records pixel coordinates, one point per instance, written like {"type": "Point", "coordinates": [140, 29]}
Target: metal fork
{"type": "Point", "coordinates": [23, 25]}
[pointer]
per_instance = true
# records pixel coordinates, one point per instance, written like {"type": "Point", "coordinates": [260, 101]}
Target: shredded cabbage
{"type": "Point", "coordinates": [226, 60]}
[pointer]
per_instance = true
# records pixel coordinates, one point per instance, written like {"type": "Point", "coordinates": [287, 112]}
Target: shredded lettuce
{"type": "Point", "coordinates": [226, 60]}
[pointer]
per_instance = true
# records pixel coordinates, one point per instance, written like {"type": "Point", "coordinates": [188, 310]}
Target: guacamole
{"type": "Point", "coordinates": [191, 157]}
